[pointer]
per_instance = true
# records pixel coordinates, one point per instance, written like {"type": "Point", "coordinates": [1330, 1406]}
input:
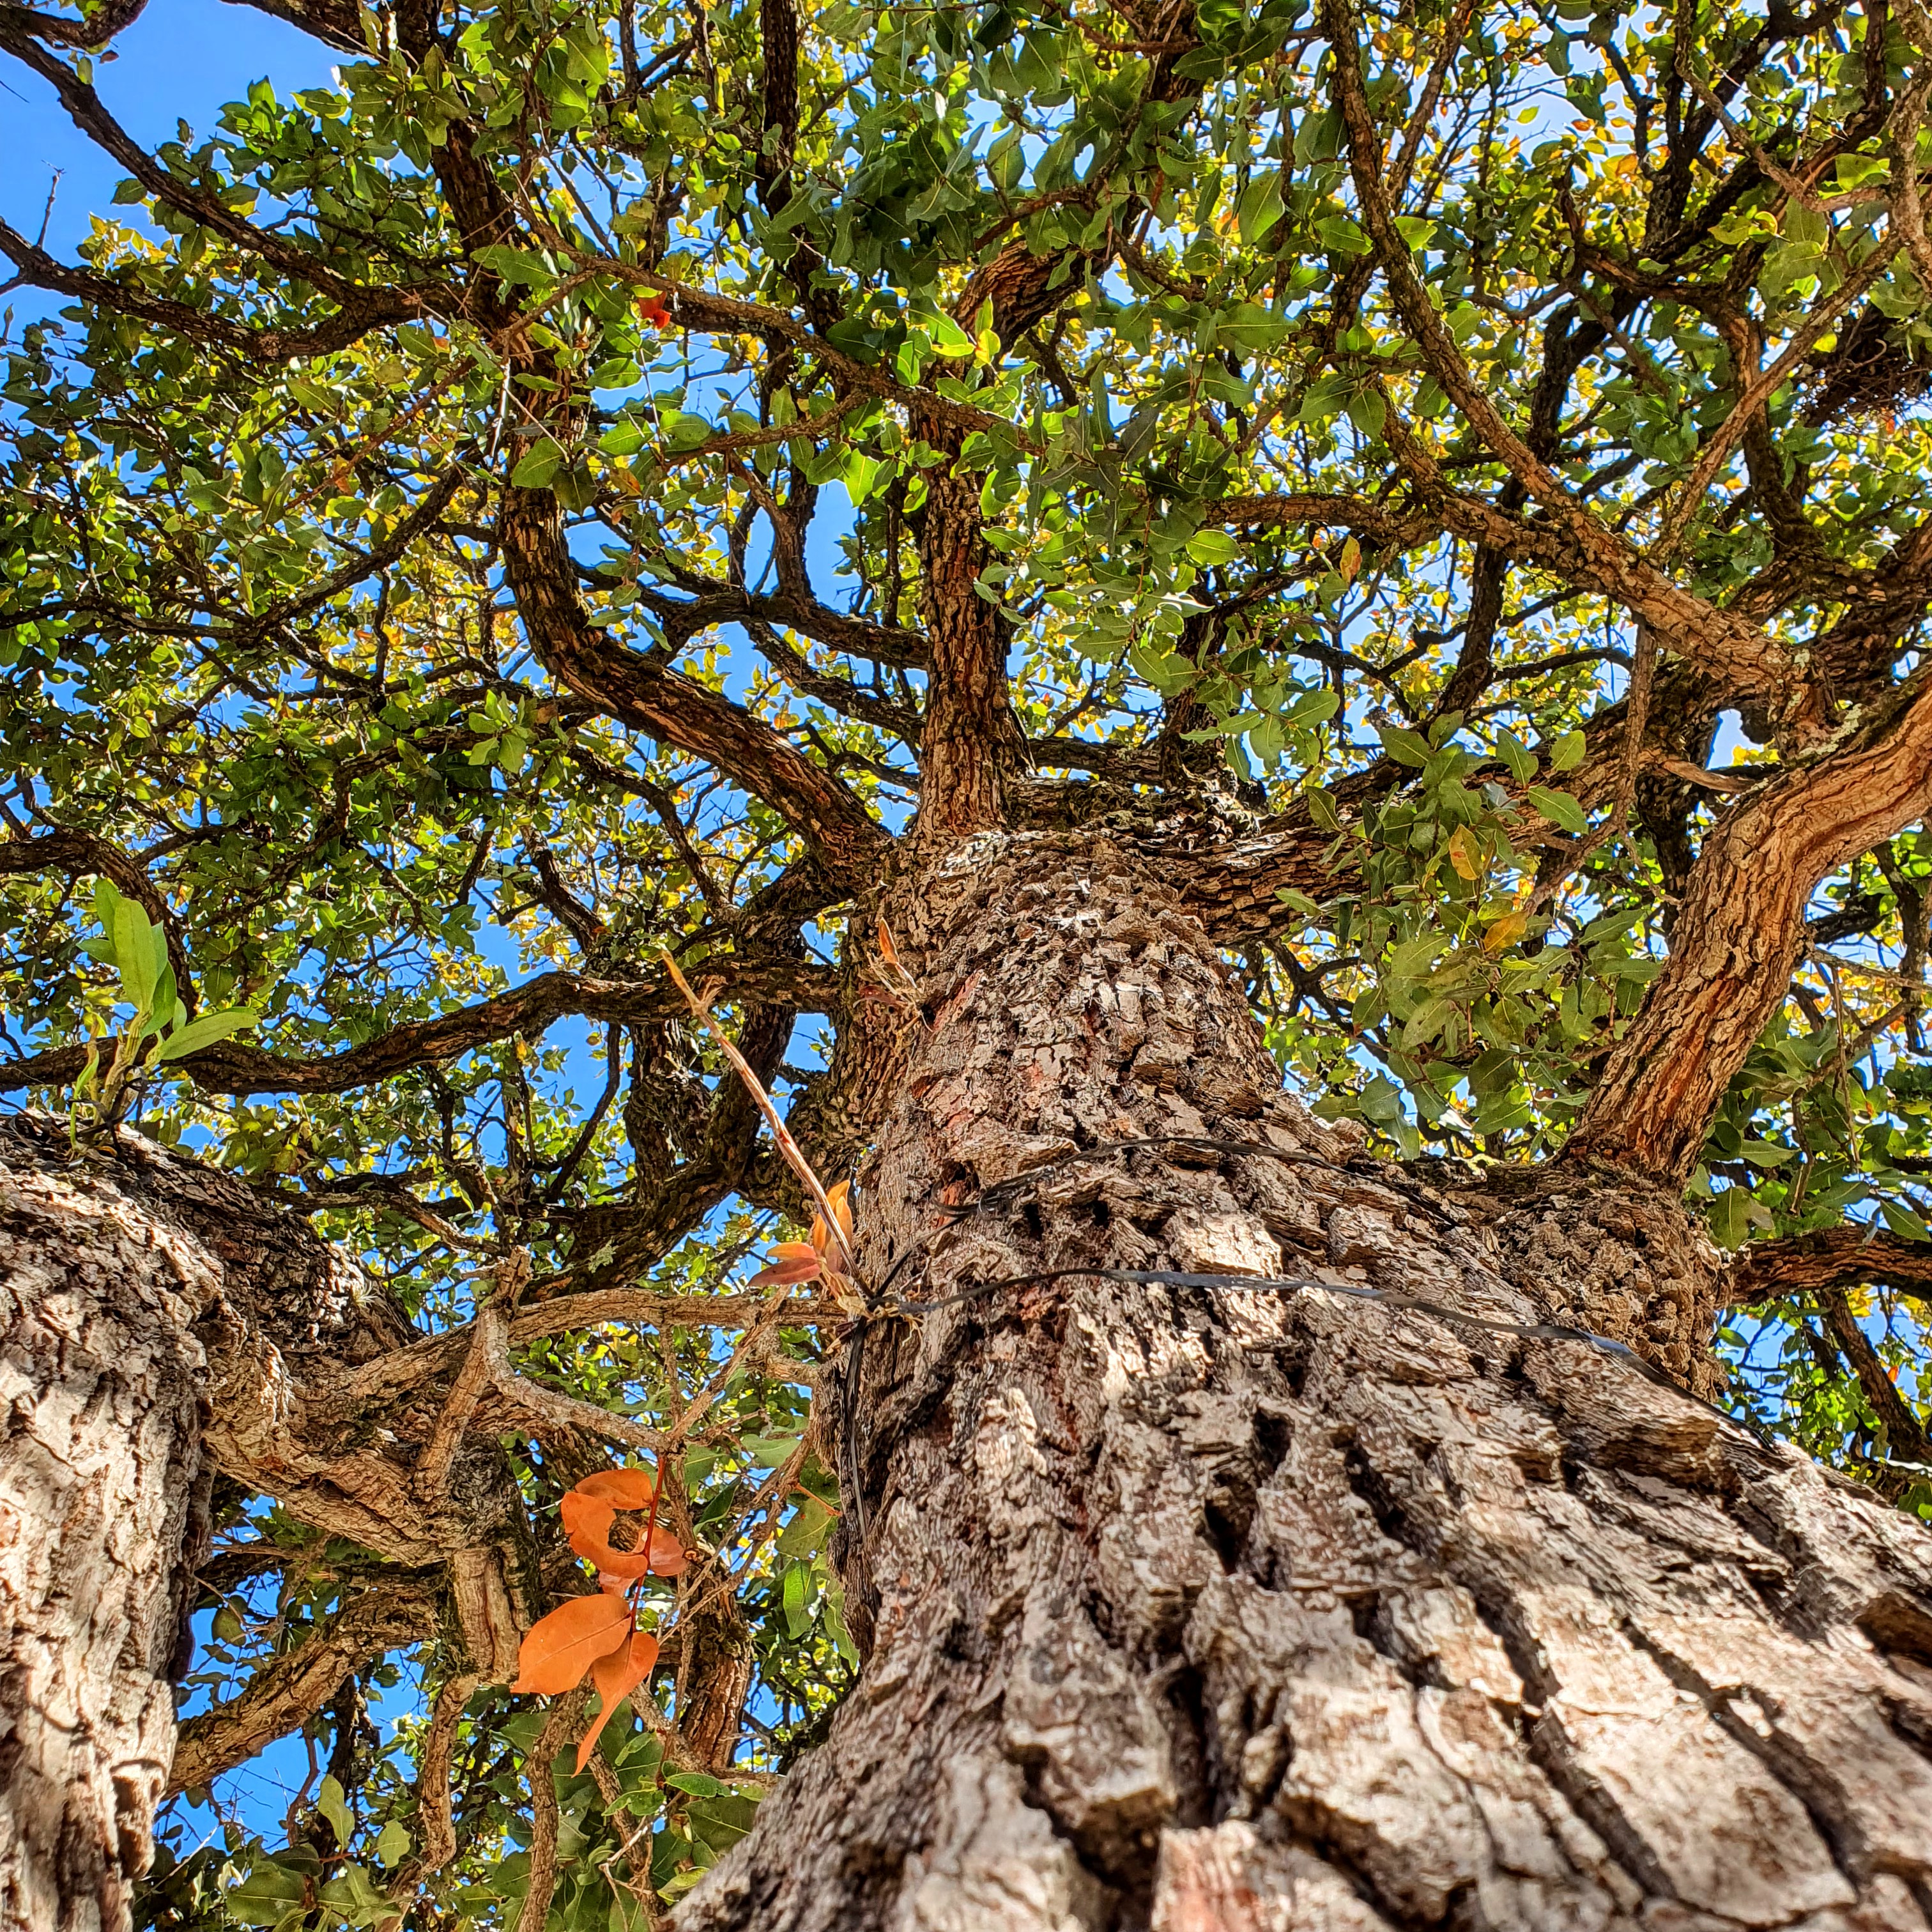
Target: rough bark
{"type": "Point", "coordinates": [1194, 1609]}
{"type": "Point", "coordinates": [160, 1323]}
{"type": "Point", "coordinates": [101, 1490]}
{"type": "Point", "coordinates": [969, 731]}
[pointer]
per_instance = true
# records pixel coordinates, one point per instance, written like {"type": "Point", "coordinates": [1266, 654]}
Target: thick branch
{"type": "Point", "coordinates": [36, 268]}
{"type": "Point", "coordinates": [1904, 1433]}
{"type": "Point", "coordinates": [288, 1690]}
{"type": "Point", "coordinates": [1832, 1257]}
{"type": "Point", "coordinates": [234, 1068]}
{"type": "Point", "coordinates": [371, 305]}
{"type": "Point", "coordinates": [650, 696]}
{"type": "Point", "coordinates": [969, 736]}
{"type": "Point", "coordinates": [1738, 934]}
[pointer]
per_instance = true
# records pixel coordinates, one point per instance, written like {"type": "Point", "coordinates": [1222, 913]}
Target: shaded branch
{"type": "Point", "coordinates": [234, 1068]}
{"type": "Point", "coordinates": [285, 1692]}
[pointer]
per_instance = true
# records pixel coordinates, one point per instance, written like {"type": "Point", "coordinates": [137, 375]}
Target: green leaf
{"type": "Point", "coordinates": [392, 1844]}
{"type": "Point", "coordinates": [797, 1577]}
{"type": "Point", "coordinates": [332, 1802]}
{"type": "Point", "coordinates": [1559, 808]}
{"type": "Point", "coordinates": [352, 1899]}
{"type": "Point", "coordinates": [947, 337]}
{"type": "Point", "coordinates": [1730, 1217]}
{"type": "Point", "coordinates": [861, 473]}
{"type": "Point", "coordinates": [1515, 753]}
{"type": "Point", "coordinates": [538, 465]}
{"type": "Point", "coordinates": [1260, 208]}
{"type": "Point", "coordinates": [1904, 1222]}
{"type": "Point", "coordinates": [522, 266]}
{"type": "Point", "coordinates": [697, 1783]}
{"type": "Point", "coordinates": [139, 950]}
{"type": "Point", "coordinates": [1341, 236]}
{"type": "Point", "coordinates": [208, 1029]}
{"type": "Point", "coordinates": [1213, 547]}
{"type": "Point", "coordinates": [1406, 748]}
{"type": "Point", "coordinates": [271, 1894]}
{"type": "Point", "coordinates": [1566, 754]}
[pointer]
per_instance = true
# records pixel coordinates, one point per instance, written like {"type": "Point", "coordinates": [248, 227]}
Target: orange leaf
{"type": "Point", "coordinates": [666, 1558]}
{"type": "Point", "coordinates": [785, 1271]}
{"type": "Point", "coordinates": [625, 1489]}
{"type": "Point", "coordinates": [564, 1645]}
{"type": "Point", "coordinates": [653, 313]}
{"type": "Point", "coordinates": [841, 1206]}
{"type": "Point", "coordinates": [616, 1677]}
{"type": "Point", "coordinates": [587, 1516]}
{"type": "Point", "coordinates": [888, 952]}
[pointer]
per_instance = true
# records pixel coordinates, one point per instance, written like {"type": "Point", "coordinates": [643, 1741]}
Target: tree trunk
{"type": "Point", "coordinates": [1196, 1609]}
{"type": "Point", "coordinates": [160, 1322]}
{"type": "Point", "coordinates": [101, 1490]}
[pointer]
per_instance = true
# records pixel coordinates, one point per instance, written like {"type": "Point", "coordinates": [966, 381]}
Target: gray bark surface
{"type": "Point", "coordinates": [1205, 1612]}
{"type": "Point", "coordinates": [101, 1484]}
{"type": "Point", "coordinates": [160, 1323]}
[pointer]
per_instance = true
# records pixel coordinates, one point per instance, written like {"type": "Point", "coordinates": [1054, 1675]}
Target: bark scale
{"type": "Point", "coordinates": [1209, 1612]}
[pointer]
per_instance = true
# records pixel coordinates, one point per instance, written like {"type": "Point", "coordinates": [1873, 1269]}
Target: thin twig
{"type": "Point", "coordinates": [559, 1727]}
{"type": "Point", "coordinates": [637, 1845]}
{"type": "Point", "coordinates": [794, 1157]}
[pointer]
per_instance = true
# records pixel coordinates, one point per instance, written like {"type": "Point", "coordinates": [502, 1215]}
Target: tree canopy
{"type": "Point", "coordinates": [601, 481]}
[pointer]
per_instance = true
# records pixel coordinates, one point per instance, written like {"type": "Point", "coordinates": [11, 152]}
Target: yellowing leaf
{"type": "Point", "coordinates": [1350, 561]}
{"type": "Point", "coordinates": [561, 1647]}
{"type": "Point", "coordinates": [1464, 853]}
{"type": "Point", "coordinates": [1506, 931]}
